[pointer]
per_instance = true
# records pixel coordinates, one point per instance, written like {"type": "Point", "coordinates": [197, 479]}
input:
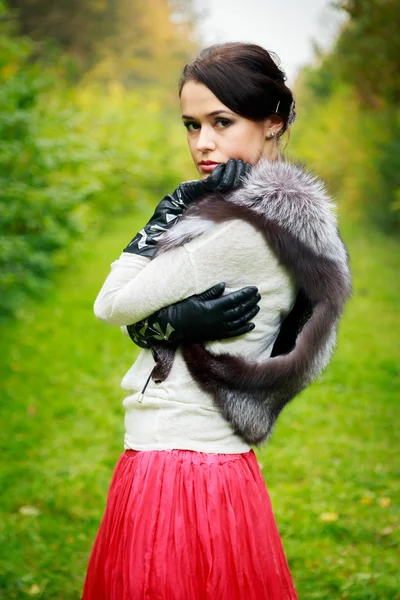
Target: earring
{"type": "Point", "coordinates": [272, 134]}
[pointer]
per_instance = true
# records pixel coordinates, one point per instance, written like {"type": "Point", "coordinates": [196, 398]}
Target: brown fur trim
{"type": "Point", "coordinates": [252, 394]}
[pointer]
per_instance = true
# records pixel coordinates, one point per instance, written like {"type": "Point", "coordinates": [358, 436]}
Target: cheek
{"type": "Point", "coordinates": [246, 144]}
{"type": "Point", "coordinates": [192, 150]}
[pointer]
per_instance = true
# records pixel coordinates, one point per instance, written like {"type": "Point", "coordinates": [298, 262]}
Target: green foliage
{"type": "Point", "coordinates": [387, 210]}
{"type": "Point", "coordinates": [331, 467]}
{"type": "Point", "coordinates": [132, 41]}
{"type": "Point", "coordinates": [32, 224]}
{"type": "Point", "coordinates": [368, 50]}
{"type": "Point", "coordinates": [64, 154]}
{"type": "Point", "coordinates": [348, 117]}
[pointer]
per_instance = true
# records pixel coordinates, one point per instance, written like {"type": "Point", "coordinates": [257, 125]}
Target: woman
{"type": "Point", "coordinates": [188, 515]}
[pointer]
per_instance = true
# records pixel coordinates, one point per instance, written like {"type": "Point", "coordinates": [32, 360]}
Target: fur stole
{"type": "Point", "coordinates": [292, 209]}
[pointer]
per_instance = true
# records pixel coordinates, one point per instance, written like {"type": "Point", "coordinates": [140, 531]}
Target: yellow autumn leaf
{"type": "Point", "coordinates": [384, 502]}
{"type": "Point", "coordinates": [328, 517]}
{"type": "Point", "coordinates": [387, 530]}
{"type": "Point", "coordinates": [366, 500]}
{"type": "Point", "coordinates": [8, 70]}
{"type": "Point", "coordinates": [29, 511]}
{"type": "Point", "coordinates": [34, 590]}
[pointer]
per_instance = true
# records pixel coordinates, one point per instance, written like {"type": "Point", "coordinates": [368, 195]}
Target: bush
{"type": "Point", "coordinates": [70, 159]}
{"type": "Point", "coordinates": [353, 147]}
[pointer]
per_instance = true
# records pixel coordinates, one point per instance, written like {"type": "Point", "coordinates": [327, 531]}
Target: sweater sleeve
{"type": "Point", "coordinates": [128, 296]}
{"type": "Point", "coordinates": [120, 277]}
{"type": "Point", "coordinates": [134, 291]}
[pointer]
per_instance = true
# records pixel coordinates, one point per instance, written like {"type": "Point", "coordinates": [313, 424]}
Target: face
{"type": "Point", "coordinates": [215, 133]}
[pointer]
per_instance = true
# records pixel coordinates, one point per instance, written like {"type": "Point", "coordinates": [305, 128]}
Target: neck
{"type": "Point", "coordinates": [271, 151]}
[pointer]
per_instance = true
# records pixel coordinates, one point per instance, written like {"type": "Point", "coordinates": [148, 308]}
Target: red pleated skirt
{"type": "Point", "coordinates": [185, 525]}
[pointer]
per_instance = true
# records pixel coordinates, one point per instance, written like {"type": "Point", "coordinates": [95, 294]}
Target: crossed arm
{"type": "Point", "coordinates": [137, 287]}
{"type": "Point", "coordinates": [174, 296]}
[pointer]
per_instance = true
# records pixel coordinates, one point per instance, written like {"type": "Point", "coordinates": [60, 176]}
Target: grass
{"type": "Point", "coordinates": [331, 467]}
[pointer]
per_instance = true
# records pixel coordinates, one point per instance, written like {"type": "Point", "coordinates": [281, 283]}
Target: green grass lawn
{"type": "Point", "coordinates": [331, 467]}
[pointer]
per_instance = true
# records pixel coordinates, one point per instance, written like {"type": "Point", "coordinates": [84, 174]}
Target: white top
{"type": "Point", "coordinates": [176, 413]}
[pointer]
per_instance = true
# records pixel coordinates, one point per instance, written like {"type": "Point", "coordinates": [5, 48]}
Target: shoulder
{"type": "Point", "coordinates": [283, 195]}
{"type": "Point", "coordinates": [237, 233]}
{"type": "Point", "coordinates": [294, 198]}
{"type": "Point", "coordinates": [288, 193]}
{"type": "Point", "coordinates": [201, 226]}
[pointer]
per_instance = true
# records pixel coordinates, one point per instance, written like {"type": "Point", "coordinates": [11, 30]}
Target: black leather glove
{"type": "Point", "coordinates": [199, 318]}
{"type": "Point", "coordinates": [170, 209]}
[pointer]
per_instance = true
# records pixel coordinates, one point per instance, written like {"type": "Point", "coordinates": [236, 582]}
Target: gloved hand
{"type": "Point", "coordinates": [199, 318]}
{"type": "Point", "coordinates": [170, 209]}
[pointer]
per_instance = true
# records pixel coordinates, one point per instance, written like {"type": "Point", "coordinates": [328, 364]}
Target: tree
{"type": "Point", "coordinates": [368, 49]}
{"type": "Point", "coordinates": [133, 41]}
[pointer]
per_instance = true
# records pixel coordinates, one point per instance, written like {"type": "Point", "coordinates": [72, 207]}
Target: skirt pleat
{"type": "Point", "coordinates": [185, 525]}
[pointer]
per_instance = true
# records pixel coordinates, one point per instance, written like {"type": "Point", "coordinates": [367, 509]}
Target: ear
{"type": "Point", "coordinates": [274, 123]}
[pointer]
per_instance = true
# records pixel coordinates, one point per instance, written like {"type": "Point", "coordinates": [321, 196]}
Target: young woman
{"type": "Point", "coordinates": [188, 514]}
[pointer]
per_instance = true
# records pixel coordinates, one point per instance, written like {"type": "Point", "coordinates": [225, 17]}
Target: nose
{"type": "Point", "coordinates": [205, 141]}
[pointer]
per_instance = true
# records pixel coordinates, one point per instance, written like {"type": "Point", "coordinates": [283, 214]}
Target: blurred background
{"type": "Point", "coordinates": [90, 141]}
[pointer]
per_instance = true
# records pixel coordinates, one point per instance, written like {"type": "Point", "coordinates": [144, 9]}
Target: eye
{"type": "Point", "coordinates": [225, 122]}
{"type": "Point", "coordinates": [188, 124]}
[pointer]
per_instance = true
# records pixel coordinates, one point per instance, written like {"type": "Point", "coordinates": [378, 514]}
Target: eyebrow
{"type": "Point", "coordinates": [211, 114]}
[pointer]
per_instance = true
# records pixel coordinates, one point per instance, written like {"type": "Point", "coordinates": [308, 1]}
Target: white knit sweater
{"type": "Point", "coordinates": [177, 413]}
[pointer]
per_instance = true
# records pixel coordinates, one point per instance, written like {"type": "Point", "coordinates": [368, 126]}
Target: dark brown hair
{"type": "Point", "coordinates": [245, 78]}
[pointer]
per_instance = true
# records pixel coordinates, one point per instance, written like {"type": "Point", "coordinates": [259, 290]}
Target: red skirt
{"type": "Point", "coordinates": [185, 525]}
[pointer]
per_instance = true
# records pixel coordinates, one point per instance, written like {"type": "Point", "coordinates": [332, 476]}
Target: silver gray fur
{"type": "Point", "coordinates": [298, 218]}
